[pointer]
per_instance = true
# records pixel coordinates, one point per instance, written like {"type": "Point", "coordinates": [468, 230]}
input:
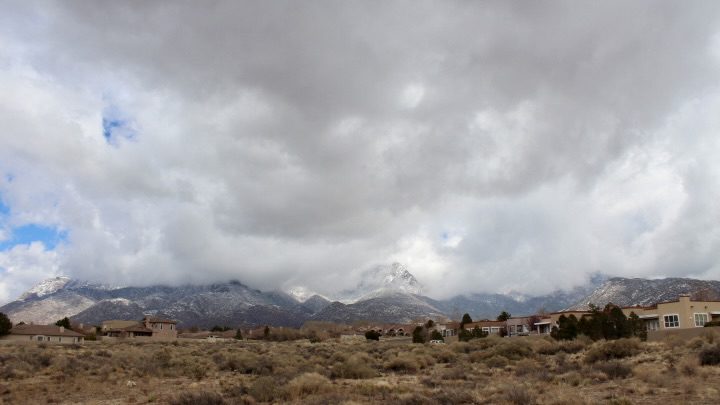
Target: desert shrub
{"type": "Point", "coordinates": [401, 363]}
{"type": "Point", "coordinates": [710, 356]}
{"type": "Point", "coordinates": [614, 369]}
{"type": "Point", "coordinates": [250, 363]}
{"type": "Point", "coordinates": [688, 366]}
{"type": "Point", "coordinates": [525, 367]}
{"type": "Point", "coordinates": [572, 346]}
{"type": "Point", "coordinates": [198, 398]}
{"type": "Point", "coordinates": [264, 389]}
{"type": "Point", "coordinates": [547, 347]}
{"type": "Point", "coordinates": [308, 384]}
{"type": "Point", "coordinates": [103, 353]}
{"type": "Point", "coordinates": [513, 349]}
{"type": "Point", "coordinates": [356, 367]}
{"type": "Point", "coordinates": [519, 395]}
{"type": "Point", "coordinates": [444, 356]}
{"type": "Point", "coordinates": [36, 358]}
{"type": "Point", "coordinates": [612, 349]}
{"type": "Point", "coordinates": [453, 373]}
{"type": "Point", "coordinates": [162, 358]}
{"type": "Point", "coordinates": [451, 396]}
{"type": "Point", "coordinates": [496, 362]}
{"type": "Point", "coordinates": [460, 347]}
{"type": "Point", "coordinates": [572, 378]}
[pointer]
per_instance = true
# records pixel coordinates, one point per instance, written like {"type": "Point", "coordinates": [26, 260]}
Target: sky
{"type": "Point", "coordinates": [495, 146]}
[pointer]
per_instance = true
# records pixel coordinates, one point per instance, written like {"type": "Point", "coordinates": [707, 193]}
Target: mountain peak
{"type": "Point", "coordinates": [46, 287]}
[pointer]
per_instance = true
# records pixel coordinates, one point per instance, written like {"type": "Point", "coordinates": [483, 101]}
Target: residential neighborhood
{"type": "Point", "coordinates": [681, 314]}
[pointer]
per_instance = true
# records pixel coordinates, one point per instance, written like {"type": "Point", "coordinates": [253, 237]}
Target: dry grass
{"type": "Point", "coordinates": [521, 370]}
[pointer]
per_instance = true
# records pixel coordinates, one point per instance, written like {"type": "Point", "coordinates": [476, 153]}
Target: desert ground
{"type": "Point", "coordinates": [493, 370]}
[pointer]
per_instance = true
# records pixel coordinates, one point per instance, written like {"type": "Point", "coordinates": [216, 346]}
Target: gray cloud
{"type": "Point", "coordinates": [512, 145]}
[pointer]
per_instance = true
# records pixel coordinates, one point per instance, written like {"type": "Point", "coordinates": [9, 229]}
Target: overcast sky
{"type": "Point", "coordinates": [489, 146]}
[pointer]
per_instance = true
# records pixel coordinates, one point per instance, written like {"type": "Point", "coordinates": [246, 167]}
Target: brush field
{"type": "Point", "coordinates": [523, 370]}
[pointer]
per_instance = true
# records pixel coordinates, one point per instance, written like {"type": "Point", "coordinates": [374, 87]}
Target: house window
{"type": "Point", "coordinates": [40, 338]}
{"type": "Point", "coordinates": [672, 321]}
{"type": "Point", "coordinates": [48, 338]}
{"type": "Point", "coordinates": [652, 324]}
{"type": "Point", "coordinates": [701, 319]}
{"type": "Point", "coordinates": [495, 329]}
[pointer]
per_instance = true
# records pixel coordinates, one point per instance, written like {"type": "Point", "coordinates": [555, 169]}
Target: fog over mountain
{"type": "Point", "coordinates": [490, 147]}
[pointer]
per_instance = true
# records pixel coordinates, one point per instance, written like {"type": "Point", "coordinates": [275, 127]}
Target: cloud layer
{"type": "Point", "coordinates": [494, 146]}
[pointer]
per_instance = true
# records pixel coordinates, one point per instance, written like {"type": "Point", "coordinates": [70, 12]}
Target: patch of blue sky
{"type": "Point", "coordinates": [4, 209]}
{"type": "Point", "coordinates": [116, 125]}
{"type": "Point", "coordinates": [27, 234]}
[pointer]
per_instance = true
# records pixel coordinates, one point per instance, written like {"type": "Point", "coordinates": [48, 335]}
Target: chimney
{"type": "Point", "coordinates": [62, 329]}
{"type": "Point", "coordinates": [684, 298]}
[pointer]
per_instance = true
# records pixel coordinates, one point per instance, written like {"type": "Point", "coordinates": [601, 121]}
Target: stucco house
{"type": "Point", "coordinates": [682, 313]}
{"type": "Point", "coordinates": [43, 333]}
{"type": "Point", "coordinates": [148, 329]}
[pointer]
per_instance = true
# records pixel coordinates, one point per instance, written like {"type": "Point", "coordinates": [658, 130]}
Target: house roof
{"type": "Point", "coordinates": [159, 320]}
{"type": "Point", "coordinates": [45, 330]}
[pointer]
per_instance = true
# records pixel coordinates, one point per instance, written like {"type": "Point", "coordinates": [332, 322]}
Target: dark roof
{"type": "Point", "coordinates": [45, 330]}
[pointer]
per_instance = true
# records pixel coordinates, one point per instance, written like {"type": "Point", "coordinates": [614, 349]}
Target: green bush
{"type": "Point", "coordinates": [710, 356]}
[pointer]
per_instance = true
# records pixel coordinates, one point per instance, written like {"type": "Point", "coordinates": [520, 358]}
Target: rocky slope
{"type": "Point", "coordinates": [638, 291]}
{"type": "Point", "coordinates": [385, 294]}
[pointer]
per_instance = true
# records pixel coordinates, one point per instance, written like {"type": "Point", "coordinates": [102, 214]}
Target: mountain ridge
{"type": "Point", "coordinates": [235, 304]}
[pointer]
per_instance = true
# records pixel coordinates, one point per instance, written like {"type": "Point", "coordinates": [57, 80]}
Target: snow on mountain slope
{"type": "Point", "coordinates": [381, 280]}
{"type": "Point", "coordinates": [46, 287]}
{"type": "Point", "coordinates": [637, 291]}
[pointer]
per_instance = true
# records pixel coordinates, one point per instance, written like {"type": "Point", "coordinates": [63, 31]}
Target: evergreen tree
{"type": "Point", "coordinates": [504, 316]}
{"type": "Point", "coordinates": [465, 320]}
{"type": "Point", "coordinates": [5, 324]}
{"type": "Point", "coordinates": [372, 335]}
{"type": "Point", "coordinates": [567, 328]}
{"type": "Point", "coordinates": [266, 332]}
{"type": "Point", "coordinates": [478, 333]}
{"type": "Point", "coordinates": [436, 335]}
{"type": "Point", "coordinates": [465, 335]}
{"type": "Point", "coordinates": [419, 335]}
{"type": "Point", "coordinates": [238, 334]}
{"type": "Point", "coordinates": [65, 322]}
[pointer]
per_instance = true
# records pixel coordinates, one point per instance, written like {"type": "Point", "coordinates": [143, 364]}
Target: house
{"type": "Point", "coordinates": [545, 323]}
{"type": "Point", "coordinates": [147, 329]}
{"type": "Point", "coordinates": [43, 333]}
{"type": "Point", "coordinates": [448, 329]}
{"type": "Point", "coordinates": [489, 327]}
{"type": "Point", "coordinates": [682, 313]}
{"type": "Point", "coordinates": [520, 325]}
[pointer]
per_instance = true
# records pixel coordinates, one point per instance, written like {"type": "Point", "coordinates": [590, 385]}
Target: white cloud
{"type": "Point", "coordinates": [304, 148]}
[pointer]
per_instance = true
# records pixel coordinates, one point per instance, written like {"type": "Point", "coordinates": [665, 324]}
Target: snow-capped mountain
{"type": "Point", "coordinates": [381, 280]}
{"type": "Point", "coordinates": [45, 287]}
{"type": "Point", "coordinates": [384, 294]}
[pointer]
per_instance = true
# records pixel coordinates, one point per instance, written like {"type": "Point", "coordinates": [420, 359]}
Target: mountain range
{"type": "Point", "coordinates": [388, 294]}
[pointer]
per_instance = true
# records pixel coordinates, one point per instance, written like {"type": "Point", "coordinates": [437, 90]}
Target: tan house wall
{"type": "Point", "coordinates": [45, 339]}
{"type": "Point", "coordinates": [162, 331]}
{"type": "Point", "coordinates": [684, 334]}
{"type": "Point", "coordinates": [684, 308]}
